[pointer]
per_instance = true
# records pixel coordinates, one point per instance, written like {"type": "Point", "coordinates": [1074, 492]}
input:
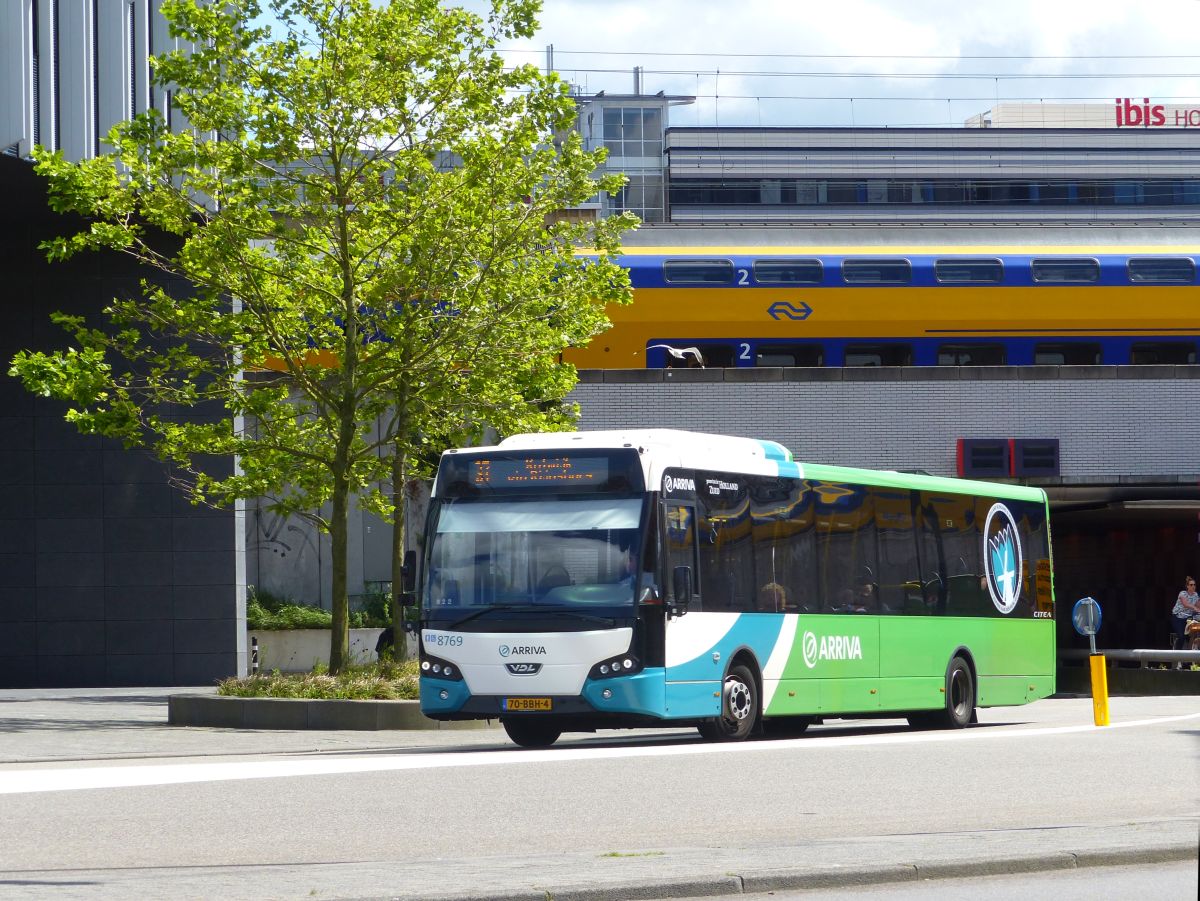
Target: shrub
{"type": "Point", "coordinates": [266, 611]}
{"type": "Point", "coordinates": [385, 681]}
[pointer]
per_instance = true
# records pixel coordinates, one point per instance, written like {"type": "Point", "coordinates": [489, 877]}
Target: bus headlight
{"type": "Point", "coordinates": [621, 666]}
{"type": "Point", "coordinates": [436, 668]}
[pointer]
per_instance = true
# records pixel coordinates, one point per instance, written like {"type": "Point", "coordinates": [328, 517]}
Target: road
{"type": "Point", "coordinates": [213, 813]}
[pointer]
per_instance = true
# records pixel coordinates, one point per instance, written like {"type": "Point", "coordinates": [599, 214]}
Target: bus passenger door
{"type": "Point", "coordinates": [693, 678]}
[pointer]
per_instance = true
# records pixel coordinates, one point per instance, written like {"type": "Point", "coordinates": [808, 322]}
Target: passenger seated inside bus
{"type": "Point", "coordinates": [772, 598]}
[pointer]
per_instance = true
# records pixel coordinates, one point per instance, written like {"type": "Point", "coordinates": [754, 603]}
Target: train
{"type": "Point", "coordinates": [980, 295]}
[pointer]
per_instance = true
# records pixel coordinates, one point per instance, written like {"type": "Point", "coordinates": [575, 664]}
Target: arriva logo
{"type": "Point", "coordinates": [1002, 558]}
{"type": "Point", "coordinates": [830, 647]}
{"type": "Point", "coordinates": [675, 483]}
{"type": "Point", "coordinates": [523, 649]}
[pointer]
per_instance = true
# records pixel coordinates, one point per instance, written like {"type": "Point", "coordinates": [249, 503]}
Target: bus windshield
{"type": "Point", "coordinates": [562, 552]}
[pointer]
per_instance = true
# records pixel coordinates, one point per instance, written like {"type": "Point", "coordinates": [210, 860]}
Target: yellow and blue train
{"type": "Point", "coordinates": [1010, 296]}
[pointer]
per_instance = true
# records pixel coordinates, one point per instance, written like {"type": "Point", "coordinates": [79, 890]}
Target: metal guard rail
{"type": "Point", "coordinates": [1142, 656]}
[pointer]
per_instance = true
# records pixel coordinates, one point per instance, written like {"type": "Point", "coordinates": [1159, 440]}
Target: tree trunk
{"type": "Point", "coordinates": [339, 524]}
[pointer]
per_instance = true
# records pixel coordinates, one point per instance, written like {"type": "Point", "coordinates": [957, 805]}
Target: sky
{"type": "Point", "coordinates": [870, 62]}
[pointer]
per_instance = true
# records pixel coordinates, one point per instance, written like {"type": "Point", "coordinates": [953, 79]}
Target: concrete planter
{"type": "Point", "coordinates": [288, 713]}
{"type": "Point", "coordinates": [299, 650]}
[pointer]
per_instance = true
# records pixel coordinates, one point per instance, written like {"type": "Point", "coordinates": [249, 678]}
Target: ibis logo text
{"type": "Point", "coordinates": [830, 647]}
{"type": "Point", "coordinates": [1133, 114]}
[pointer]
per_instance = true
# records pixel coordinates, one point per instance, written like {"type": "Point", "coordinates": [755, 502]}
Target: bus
{"type": "Point", "coordinates": [624, 579]}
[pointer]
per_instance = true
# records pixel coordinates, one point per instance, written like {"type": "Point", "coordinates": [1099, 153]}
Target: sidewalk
{"type": "Point", "coordinates": [58, 727]}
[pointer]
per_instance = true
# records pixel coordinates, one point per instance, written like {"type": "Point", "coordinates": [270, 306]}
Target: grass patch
{"type": "Point", "coordinates": [386, 681]}
{"type": "Point", "coordinates": [635, 854]}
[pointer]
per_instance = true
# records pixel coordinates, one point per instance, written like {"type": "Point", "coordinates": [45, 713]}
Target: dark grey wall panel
{"type": "Point", "coordinates": [133, 602]}
{"type": "Point", "coordinates": [201, 602]}
{"type": "Point", "coordinates": [18, 672]}
{"type": "Point", "coordinates": [65, 604]}
{"type": "Point", "coordinates": [17, 639]}
{"type": "Point", "coordinates": [143, 669]}
{"type": "Point", "coordinates": [93, 539]}
{"type": "Point", "coordinates": [139, 637]}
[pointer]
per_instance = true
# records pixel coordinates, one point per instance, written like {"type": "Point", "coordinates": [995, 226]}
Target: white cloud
{"type": "Point", "coordinates": [934, 37]}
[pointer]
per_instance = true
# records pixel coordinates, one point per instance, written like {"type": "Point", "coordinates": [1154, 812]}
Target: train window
{"type": "Point", "coordinates": [878, 355]}
{"type": "Point", "coordinates": [1149, 353]}
{"type": "Point", "coordinates": [698, 272]}
{"type": "Point", "coordinates": [1066, 272]}
{"type": "Point", "coordinates": [969, 272]}
{"type": "Point", "coordinates": [790, 355]}
{"type": "Point", "coordinates": [971, 355]}
{"type": "Point", "coordinates": [787, 272]}
{"type": "Point", "coordinates": [877, 272]}
{"type": "Point", "coordinates": [1067, 354]}
{"type": "Point", "coordinates": [1171, 270]}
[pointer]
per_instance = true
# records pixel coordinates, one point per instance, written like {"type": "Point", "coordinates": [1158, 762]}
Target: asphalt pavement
{"type": "Point", "coordinates": [50, 729]}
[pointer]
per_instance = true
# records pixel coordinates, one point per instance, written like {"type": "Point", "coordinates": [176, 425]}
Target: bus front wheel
{"type": "Point", "coordinates": [739, 708]}
{"type": "Point", "coordinates": [531, 733]}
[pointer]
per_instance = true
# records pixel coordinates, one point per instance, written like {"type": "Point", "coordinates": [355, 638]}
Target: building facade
{"type": "Point", "coordinates": [1129, 162]}
{"type": "Point", "coordinates": [108, 575]}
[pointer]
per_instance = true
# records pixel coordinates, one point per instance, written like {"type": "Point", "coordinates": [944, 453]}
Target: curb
{"type": "Point", "coordinates": [751, 882]}
{"type": "Point", "coordinates": [300, 713]}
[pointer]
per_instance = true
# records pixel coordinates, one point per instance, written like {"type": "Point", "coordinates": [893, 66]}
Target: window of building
{"type": "Point", "coordinates": [642, 195]}
{"type": "Point", "coordinates": [877, 272]}
{"type": "Point", "coordinates": [878, 355]}
{"type": "Point", "coordinates": [790, 355]}
{"type": "Point", "coordinates": [633, 131]}
{"type": "Point", "coordinates": [969, 272]}
{"type": "Point", "coordinates": [698, 272]}
{"type": "Point", "coordinates": [971, 355]}
{"type": "Point", "coordinates": [1151, 353]}
{"type": "Point", "coordinates": [787, 272]}
{"type": "Point", "coordinates": [1066, 272]}
{"type": "Point", "coordinates": [1165, 270]}
{"type": "Point", "coordinates": [1067, 354]}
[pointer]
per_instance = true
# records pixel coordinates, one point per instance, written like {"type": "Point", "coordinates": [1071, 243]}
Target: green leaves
{"type": "Point", "coordinates": [354, 249]}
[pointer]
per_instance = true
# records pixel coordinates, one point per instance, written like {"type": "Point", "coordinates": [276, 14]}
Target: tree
{"type": "Point", "coordinates": [362, 203]}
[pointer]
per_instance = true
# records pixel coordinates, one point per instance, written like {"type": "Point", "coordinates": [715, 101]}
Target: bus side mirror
{"type": "Point", "coordinates": [681, 589]}
{"type": "Point", "coordinates": [408, 579]}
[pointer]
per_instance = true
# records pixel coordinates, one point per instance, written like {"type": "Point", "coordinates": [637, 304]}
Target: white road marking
{"type": "Point", "coordinates": [24, 781]}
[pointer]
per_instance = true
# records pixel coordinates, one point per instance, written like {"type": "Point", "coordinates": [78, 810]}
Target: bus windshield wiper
{"type": "Point", "coordinates": [477, 613]}
{"type": "Point", "coordinates": [587, 617]}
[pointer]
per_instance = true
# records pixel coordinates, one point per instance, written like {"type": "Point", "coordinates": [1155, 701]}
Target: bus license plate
{"type": "Point", "coordinates": [527, 704]}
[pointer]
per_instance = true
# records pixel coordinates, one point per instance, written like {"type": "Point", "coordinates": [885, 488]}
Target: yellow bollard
{"type": "Point", "coordinates": [1099, 689]}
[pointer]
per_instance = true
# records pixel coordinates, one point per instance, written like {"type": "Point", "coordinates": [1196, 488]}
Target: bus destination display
{"type": "Point", "coordinates": [507, 471]}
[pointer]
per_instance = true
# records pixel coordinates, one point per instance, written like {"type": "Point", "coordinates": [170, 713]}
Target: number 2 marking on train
{"type": "Point", "coordinates": [743, 351]}
{"type": "Point", "coordinates": [743, 277]}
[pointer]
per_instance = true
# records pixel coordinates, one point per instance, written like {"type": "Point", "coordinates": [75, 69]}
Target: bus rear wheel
{"type": "Point", "coordinates": [960, 701]}
{"type": "Point", "coordinates": [531, 733]}
{"type": "Point", "coordinates": [739, 708]}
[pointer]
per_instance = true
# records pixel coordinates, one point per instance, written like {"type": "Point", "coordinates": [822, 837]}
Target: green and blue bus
{"type": "Point", "coordinates": [587, 580]}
